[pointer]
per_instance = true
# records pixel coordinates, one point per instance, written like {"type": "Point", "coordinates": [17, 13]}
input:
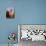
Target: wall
{"type": "Point", "coordinates": [31, 11]}
{"type": "Point", "coordinates": [7, 25]}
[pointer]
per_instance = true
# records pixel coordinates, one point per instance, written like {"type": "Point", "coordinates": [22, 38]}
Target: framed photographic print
{"type": "Point", "coordinates": [10, 13]}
